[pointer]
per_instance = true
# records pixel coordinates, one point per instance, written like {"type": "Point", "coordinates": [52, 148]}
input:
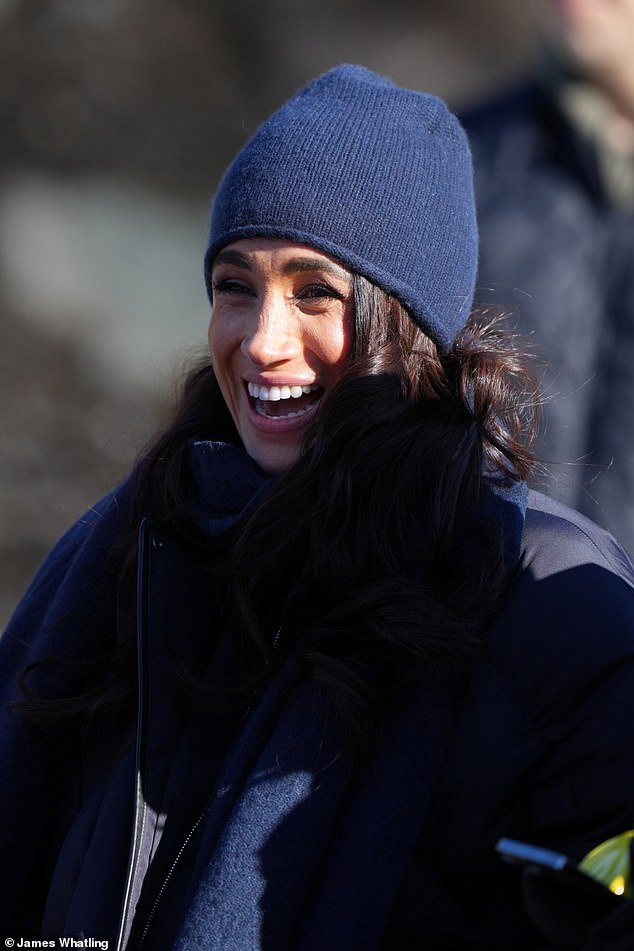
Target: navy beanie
{"type": "Point", "coordinates": [374, 175]}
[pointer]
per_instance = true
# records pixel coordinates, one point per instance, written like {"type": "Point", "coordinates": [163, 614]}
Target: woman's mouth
{"type": "Point", "coordinates": [283, 402]}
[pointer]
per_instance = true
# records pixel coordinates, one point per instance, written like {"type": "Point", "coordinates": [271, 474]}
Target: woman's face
{"type": "Point", "coordinates": [280, 334]}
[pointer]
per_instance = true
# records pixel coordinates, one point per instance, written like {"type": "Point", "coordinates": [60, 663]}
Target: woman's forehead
{"type": "Point", "coordinates": [289, 256]}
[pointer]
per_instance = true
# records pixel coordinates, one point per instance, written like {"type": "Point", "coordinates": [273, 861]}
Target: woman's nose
{"type": "Point", "coordinates": [274, 337]}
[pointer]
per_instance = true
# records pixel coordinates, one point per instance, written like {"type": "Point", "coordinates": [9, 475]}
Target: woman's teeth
{"type": "Point", "coordinates": [275, 393]}
{"type": "Point", "coordinates": [264, 396]}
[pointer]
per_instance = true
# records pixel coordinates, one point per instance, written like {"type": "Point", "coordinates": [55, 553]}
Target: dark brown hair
{"type": "Point", "coordinates": [357, 553]}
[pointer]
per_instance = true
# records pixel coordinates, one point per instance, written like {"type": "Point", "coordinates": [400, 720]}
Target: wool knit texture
{"type": "Point", "coordinates": [377, 176]}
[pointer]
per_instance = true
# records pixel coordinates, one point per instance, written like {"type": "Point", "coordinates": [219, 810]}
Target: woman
{"type": "Point", "coordinates": [364, 651]}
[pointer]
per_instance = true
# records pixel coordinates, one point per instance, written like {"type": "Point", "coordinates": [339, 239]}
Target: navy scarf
{"type": "Point", "coordinates": [296, 853]}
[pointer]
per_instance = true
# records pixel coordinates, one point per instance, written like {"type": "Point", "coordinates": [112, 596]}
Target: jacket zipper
{"type": "Point", "coordinates": [275, 644]}
{"type": "Point", "coordinates": [168, 877]}
{"type": "Point", "coordinates": [276, 638]}
{"type": "Point", "coordinates": [140, 810]}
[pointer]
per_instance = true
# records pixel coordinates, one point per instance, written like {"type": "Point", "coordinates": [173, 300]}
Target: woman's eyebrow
{"type": "Point", "coordinates": [292, 266]}
{"type": "Point", "coordinates": [295, 265]}
{"type": "Point", "coordinates": [229, 256]}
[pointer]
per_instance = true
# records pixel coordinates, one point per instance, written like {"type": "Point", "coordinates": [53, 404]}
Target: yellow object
{"type": "Point", "coordinates": [609, 863]}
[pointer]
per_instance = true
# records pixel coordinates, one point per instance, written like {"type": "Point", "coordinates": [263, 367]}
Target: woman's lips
{"type": "Point", "coordinates": [285, 401]}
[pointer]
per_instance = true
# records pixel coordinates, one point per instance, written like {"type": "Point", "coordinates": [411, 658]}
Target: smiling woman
{"type": "Point", "coordinates": [280, 334]}
{"type": "Point", "coordinates": [286, 686]}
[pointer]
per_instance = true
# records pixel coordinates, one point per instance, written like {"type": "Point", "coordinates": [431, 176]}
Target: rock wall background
{"type": "Point", "coordinates": [116, 120]}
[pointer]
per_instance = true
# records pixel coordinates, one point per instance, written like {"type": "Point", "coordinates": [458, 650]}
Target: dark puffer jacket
{"type": "Point", "coordinates": [253, 835]}
{"type": "Point", "coordinates": [554, 246]}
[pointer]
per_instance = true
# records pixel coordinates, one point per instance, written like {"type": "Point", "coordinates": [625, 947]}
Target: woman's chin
{"type": "Point", "coordinates": [274, 458]}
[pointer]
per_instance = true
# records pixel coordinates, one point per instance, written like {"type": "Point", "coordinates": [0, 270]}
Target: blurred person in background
{"type": "Point", "coordinates": [287, 685]}
{"type": "Point", "coordinates": [554, 162]}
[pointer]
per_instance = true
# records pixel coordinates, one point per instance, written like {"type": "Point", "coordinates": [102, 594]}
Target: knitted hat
{"type": "Point", "coordinates": [378, 177]}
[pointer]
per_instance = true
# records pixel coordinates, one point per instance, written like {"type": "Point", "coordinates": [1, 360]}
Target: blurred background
{"type": "Point", "coordinates": [117, 118]}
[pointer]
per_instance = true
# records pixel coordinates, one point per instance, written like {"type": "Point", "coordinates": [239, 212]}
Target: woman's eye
{"type": "Point", "coordinates": [231, 287]}
{"type": "Point", "coordinates": [318, 292]}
